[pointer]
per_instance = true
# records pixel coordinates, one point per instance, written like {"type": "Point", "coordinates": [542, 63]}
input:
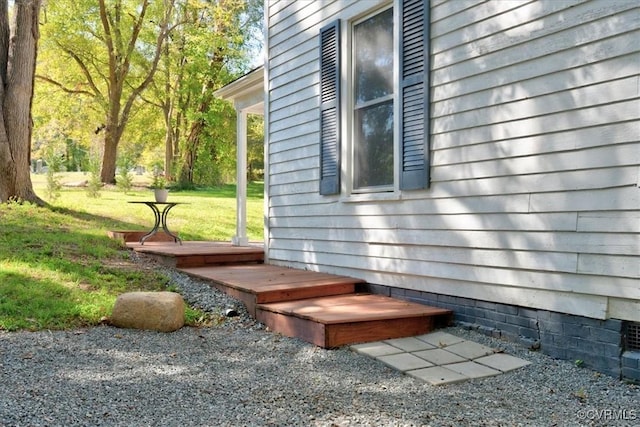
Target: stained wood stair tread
{"type": "Point", "coordinates": [267, 278]}
{"type": "Point", "coordinates": [352, 308]}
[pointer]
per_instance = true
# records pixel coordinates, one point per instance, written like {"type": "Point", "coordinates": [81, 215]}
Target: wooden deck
{"type": "Point", "coordinates": [263, 284]}
{"type": "Point", "coordinates": [193, 254]}
{"type": "Point", "coordinates": [323, 309]}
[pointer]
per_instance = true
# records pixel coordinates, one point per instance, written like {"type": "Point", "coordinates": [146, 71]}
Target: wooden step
{"type": "Point", "coordinates": [196, 254]}
{"type": "Point", "coordinates": [259, 284]}
{"type": "Point", "coordinates": [347, 319]}
{"type": "Point", "coordinates": [129, 236]}
{"type": "Point", "coordinates": [323, 309]}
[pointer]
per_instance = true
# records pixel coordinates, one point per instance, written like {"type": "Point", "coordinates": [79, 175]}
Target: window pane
{"type": "Point", "coordinates": [373, 155]}
{"type": "Point", "coordinates": [374, 57]}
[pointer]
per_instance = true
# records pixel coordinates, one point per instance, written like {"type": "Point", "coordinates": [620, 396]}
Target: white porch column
{"type": "Point", "coordinates": [241, 239]}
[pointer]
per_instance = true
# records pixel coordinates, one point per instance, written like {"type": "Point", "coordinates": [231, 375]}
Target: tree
{"type": "Point", "coordinates": [115, 47]}
{"type": "Point", "coordinates": [210, 48]}
{"type": "Point", "coordinates": [18, 48]}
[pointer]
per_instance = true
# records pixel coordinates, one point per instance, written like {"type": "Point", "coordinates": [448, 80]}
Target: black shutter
{"type": "Point", "coordinates": [414, 86]}
{"type": "Point", "coordinates": [330, 109]}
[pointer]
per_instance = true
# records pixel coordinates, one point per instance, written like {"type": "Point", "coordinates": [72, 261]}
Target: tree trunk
{"type": "Point", "coordinates": [108, 168]}
{"type": "Point", "coordinates": [190, 153]}
{"type": "Point", "coordinates": [18, 57]}
{"type": "Point", "coordinates": [168, 146]}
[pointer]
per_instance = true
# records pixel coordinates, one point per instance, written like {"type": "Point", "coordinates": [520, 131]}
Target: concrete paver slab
{"type": "Point", "coordinates": [440, 339]}
{"type": "Point", "coordinates": [375, 349]}
{"type": "Point", "coordinates": [404, 361]}
{"type": "Point", "coordinates": [470, 349]}
{"type": "Point", "coordinates": [410, 344]}
{"type": "Point", "coordinates": [438, 356]}
{"type": "Point", "coordinates": [472, 369]}
{"type": "Point", "coordinates": [437, 375]}
{"type": "Point", "coordinates": [503, 362]}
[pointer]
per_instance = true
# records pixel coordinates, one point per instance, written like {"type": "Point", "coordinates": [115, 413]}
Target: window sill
{"type": "Point", "coordinates": [371, 197]}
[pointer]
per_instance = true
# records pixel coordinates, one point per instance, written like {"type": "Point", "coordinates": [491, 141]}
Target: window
{"type": "Point", "coordinates": [388, 99]}
{"type": "Point", "coordinates": [373, 102]}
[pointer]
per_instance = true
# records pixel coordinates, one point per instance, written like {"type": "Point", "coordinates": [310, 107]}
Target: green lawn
{"type": "Point", "coordinates": [58, 268]}
{"type": "Point", "coordinates": [205, 215]}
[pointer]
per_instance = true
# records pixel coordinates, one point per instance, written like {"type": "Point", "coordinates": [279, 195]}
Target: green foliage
{"type": "Point", "coordinates": [255, 147]}
{"type": "Point", "coordinates": [94, 184]}
{"type": "Point", "coordinates": [211, 44]}
{"type": "Point", "coordinates": [158, 180]}
{"type": "Point", "coordinates": [198, 318]}
{"type": "Point", "coordinates": [54, 164]}
{"type": "Point", "coordinates": [124, 179]}
{"type": "Point", "coordinates": [58, 269]}
{"type": "Point", "coordinates": [53, 185]}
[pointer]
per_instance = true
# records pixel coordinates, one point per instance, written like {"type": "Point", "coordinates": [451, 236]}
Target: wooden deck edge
{"type": "Point", "coordinates": [293, 327]}
{"type": "Point", "coordinates": [339, 334]}
{"type": "Point", "coordinates": [376, 330]}
{"type": "Point", "coordinates": [134, 236]}
{"type": "Point", "coordinates": [301, 293]}
{"type": "Point", "coordinates": [220, 284]}
{"type": "Point", "coordinates": [184, 261]}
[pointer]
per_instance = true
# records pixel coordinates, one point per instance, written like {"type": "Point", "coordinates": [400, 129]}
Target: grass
{"type": "Point", "coordinates": [59, 270]}
{"type": "Point", "coordinates": [206, 214]}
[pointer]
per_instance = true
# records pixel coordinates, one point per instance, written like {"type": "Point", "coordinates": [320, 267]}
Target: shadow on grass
{"type": "Point", "coordinates": [58, 269]}
{"type": "Point", "coordinates": [106, 222]}
{"type": "Point", "coordinates": [31, 303]}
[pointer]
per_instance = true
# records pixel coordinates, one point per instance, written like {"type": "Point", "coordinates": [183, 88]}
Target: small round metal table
{"type": "Point", "coordinates": [160, 219]}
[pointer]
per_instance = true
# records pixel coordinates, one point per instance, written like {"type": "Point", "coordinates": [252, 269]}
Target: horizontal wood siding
{"type": "Point", "coordinates": [535, 152]}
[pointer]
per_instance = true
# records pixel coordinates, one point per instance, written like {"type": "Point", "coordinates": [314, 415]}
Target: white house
{"type": "Point", "coordinates": [482, 156]}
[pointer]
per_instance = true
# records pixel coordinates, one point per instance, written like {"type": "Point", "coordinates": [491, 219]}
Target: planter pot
{"type": "Point", "coordinates": [161, 194]}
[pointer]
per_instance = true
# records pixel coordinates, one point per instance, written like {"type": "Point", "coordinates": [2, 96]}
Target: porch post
{"type": "Point", "coordinates": [241, 239]}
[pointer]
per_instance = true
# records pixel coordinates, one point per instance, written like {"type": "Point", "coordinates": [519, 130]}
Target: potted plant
{"type": "Point", "coordinates": [159, 186]}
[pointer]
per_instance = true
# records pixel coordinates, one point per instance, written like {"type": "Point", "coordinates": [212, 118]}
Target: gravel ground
{"type": "Point", "coordinates": [239, 374]}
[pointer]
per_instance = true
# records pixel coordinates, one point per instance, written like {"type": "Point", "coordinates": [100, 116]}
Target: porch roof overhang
{"type": "Point", "coordinates": [246, 92]}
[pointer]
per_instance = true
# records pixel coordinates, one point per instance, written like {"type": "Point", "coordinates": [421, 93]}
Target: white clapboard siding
{"type": "Point", "coordinates": [592, 158]}
{"type": "Point", "coordinates": [570, 139]}
{"type": "Point", "coordinates": [543, 182]}
{"type": "Point", "coordinates": [301, 147]}
{"type": "Point", "coordinates": [534, 197]}
{"type": "Point", "coordinates": [306, 110]}
{"type": "Point", "coordinates": [505, 277]}
{"type": "Point", "coordinates": [533, 106]}
{"type": "Point", "coordinates": [571, 60]}
{"type": "Point", "coordinates": [625, 198]}
{"type": "Point", "coordinates": [283, 147]}
{"type": "Point", "coordinates": [295, 130]}
{"type": "Point", "coordinates": [505, 222]}
{"type": "Point", "coordinates": [484, 30]}
{"type": "Point", "coordinates": [518, 203]}
{"type": "Point", "coordinates": [564, 302]}
{"type": "Point", "coordinates": [491, 38]}
{"type": "Point", "coordinates": [609, 221]}
{"type": "Point", "coordinates": [526, 260]}
{"type": "Point", "coordinates": [609, 265]}
{"type": "Point", "coordinates": [599, 72]}
{"type": "Point", "coordinates": [592, 116]}
{"type": "Point", "coordinates": [581, 34]}
{"type": "Point", "coordinates": [592, 243]}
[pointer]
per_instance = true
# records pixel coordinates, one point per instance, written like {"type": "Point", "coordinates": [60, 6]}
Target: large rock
{"type": "Point", "coordinates": [157, 311]}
